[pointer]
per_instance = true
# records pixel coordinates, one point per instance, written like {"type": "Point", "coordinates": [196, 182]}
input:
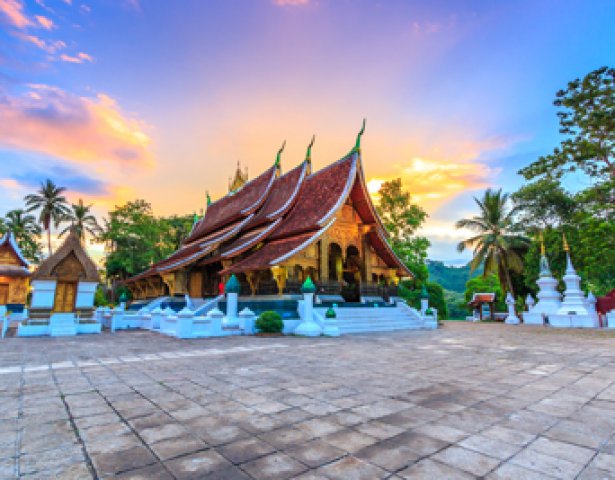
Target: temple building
{"type": "Point", "coordinates": [65, 282]}
{"type": "Point", "coordinates": [277, 229]}
{"type": "Point", "coordinates": [14, 275]}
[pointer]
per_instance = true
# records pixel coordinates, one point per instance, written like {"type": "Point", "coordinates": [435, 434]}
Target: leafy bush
{"type": "Point", "coordinates": [269, 322]}
{"type": "Point", "coordinates": [411, 292]}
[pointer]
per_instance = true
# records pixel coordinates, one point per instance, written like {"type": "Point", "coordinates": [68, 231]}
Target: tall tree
{"type": "Point", "coordinates": [402, 218]}
{"type": "Point", "coordinates": [587, 119]}
{"type": "Point", "coordinates": [496, 246]}
{"type": "Point", "coordinates": [82, 220]}
{"type": "Point", "coordinates": [51, 204]}
{"type": "Point", "coordinates": [26, 230]}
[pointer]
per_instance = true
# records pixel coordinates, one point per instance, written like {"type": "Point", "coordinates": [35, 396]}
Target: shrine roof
{"type": "Point", "coordinates": [277, 251]}
{"type": "Point", "coordinates": [72, 244]}
{"type": "Point", "coordinates": [320, 196]}
{"type": "Point", "coordinates": [281, 196]}
{"type": "Point", "coordinates": [248, 240]}
{"type": "Point", "coordinates": [9, 241]}
{"type": "Point", "coordinates": [479, 298]}
{"type": "Point", "coordinates": [234, 206]}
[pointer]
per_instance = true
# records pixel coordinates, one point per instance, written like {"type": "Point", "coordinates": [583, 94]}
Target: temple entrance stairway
{"type": "Point", "coordinates": [382, 319]}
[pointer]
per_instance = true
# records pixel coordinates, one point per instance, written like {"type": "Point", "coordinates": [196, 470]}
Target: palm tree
{"type": "Point", "coordinates": [52, 205]}
{"type": "Point", "coordinates": [495, 245]}
{"type": "Point", "coordinates": [26, 231]}
{"type": "Point", "coordinates": [82, 221]}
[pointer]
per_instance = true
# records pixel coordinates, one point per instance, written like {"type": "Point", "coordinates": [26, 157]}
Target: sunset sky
{"type": "Point", "coordinates": [159, 99]}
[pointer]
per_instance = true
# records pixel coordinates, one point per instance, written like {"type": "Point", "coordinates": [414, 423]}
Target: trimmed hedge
{"type": "Point", "coordinates": [269, 322]}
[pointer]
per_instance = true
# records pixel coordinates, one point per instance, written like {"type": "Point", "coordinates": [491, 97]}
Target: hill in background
{"type": "Point", "coordinates": [451, 278]}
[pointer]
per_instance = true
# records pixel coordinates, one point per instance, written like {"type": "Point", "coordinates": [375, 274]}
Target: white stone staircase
{"type": "Point", "coordinates": [62, 324]}
{"type": "Point", "coordinates": [358, 320]}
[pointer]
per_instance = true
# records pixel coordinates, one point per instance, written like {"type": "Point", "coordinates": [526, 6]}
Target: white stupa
{"type": "Point", "coordinates": [574, 311]}
{"type": "Point", "coordinates": [548, 296]}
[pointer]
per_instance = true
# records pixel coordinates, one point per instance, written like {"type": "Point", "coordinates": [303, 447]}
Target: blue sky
{"type": "Point", "coordinates": [158, 100]}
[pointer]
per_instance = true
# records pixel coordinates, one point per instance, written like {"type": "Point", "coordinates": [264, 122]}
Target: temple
{"type": "Point", "coordinates": [277, 229]}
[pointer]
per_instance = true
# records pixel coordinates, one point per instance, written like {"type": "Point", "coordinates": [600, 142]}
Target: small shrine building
{"type": "Point", "coordinates": [65, 282]}
{"type": "Point", "coordinates": [14, 275]}
{"type": "Point", "coordinates": [277, 229]}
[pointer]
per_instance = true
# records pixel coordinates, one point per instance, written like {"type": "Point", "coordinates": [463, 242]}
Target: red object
{"type": "Point", "coordinates": [607, 303]}
{"type": "Point", "coordinates": [221, 288]}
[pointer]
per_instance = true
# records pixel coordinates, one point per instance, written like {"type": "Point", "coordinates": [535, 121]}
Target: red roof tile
{"type": "Point", "coordinates": [276, 252]}
{"type": "Point", "coordinates": [320, 196]}
{"type": "Point", "coordinates": [233, 207]}
{"type": "Point", "coordinates": [281, 196]}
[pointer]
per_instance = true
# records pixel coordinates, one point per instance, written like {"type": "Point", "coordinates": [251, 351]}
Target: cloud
{"type": "Point", "coordinates": [51, 121]}
{"type": "Point", "coordinates": [79, 58]}
{"type": "Point", "coordinates": [45, 22]}
{"type": "Point", "coordinates": [50, 46]}
{"type": "Point", "coordinates": [286, 3]}
{"type": "Point", "coordinates": [13, 13]}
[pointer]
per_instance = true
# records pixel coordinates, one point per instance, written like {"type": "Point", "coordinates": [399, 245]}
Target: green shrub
{"type": "Point", "coordinates": [269, 322]}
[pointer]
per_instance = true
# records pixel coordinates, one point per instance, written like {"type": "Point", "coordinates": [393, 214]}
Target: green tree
{"type": "Point", "coordinates": [133, 239]}
{"type": "Point", "coordinates": [496, 246]}
{"type": "Point", "coordinates": [543, 204]}
{"type": "Point", "coordinates": [402, 218]}
{"type": "Point", "coordinates": [412, 295]}
{"type": "Point", "coordinates": [26, 230]}
{"type": "Point", "coordinates": [82, 220]}
{"type": "Point", "coordinates": [51, 204]}
{"type": "Point", "coordinates": [587, 119]}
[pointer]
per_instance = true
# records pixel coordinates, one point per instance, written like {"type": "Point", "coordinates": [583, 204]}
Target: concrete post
{"type": "Point", "coordinates": [308, 327]}
{"type": "Point", "coordinates": [330, 327]}
{"type": "Point", "coordinates": [156, 314]}
{"type": "Point", "coordinates": [231, 289]}
{"type": "Point", "coordinates": [512, 318]}
{"type": "Point", "coordinates": [246, 321]}
{"type": "Point", "coordinates": [184, 323]}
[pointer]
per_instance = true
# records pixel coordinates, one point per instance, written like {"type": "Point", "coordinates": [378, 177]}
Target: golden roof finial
{"type": "Point", "coordinates": [542, 244]}
{"type": "Point", "coordinates": [566, 246]}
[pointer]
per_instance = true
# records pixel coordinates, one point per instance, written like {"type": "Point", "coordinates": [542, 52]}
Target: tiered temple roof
{"type": "Point", "coordinates": [273, 217]}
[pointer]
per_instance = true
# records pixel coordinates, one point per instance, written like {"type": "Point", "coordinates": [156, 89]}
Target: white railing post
{"type": "Point", "coordinates": [308, 327]}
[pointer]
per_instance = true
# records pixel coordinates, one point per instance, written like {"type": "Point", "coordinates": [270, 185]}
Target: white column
{"type": "Point", "coordinates": [231, 320]}
{"type": "Point", "coordinates": [308, 327]}
{"type": "Point", "coordinates": [512, 318]}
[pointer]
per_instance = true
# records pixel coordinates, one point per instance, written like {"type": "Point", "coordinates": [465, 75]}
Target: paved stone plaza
{"type": "Point", "coordinates": [465, 401]}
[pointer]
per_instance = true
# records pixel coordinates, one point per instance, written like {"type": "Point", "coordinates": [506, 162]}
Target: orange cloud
{"type": "Point", "coordinates": [44, 22]}
{"type": "Point", "coordinates": [80, 129]}
{"type": "Point", "coordinates": [79, 58]}
{"type": "Point", "coordinates": [12, 10]}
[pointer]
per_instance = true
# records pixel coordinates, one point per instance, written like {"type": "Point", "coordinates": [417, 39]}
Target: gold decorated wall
{"type": "Point", "coordinates": [13, 290]}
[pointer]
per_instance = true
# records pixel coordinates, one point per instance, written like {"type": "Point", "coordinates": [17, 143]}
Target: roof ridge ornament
{"type": "Point", "coordinates": [208, 198]}
{"type": "Point", "coordinates": [278, 164]}
{"type": "Point", "coordinates": [308, 155]}
{"type": "Point", "coordinates": [357, 145]}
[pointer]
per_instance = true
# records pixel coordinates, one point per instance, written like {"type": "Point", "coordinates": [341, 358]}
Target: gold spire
{"type": "Point", "coordinates": [241, 178]}
{"type": "Point", "coordinates": [566, 246]}
{"type": "Point", "coordinates": [542, 244]}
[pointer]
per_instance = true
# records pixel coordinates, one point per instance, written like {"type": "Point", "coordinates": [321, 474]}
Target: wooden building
{"type": "Point", "coordinates": [275, 230]}
{"type": "Point", "coordinates": [65, 282]}
{"type": "Point", "coordinates": [14, 275]}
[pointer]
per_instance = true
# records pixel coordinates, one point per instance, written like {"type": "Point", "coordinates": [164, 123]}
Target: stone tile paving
{"type": "Point", "coordinates": [466, 401]}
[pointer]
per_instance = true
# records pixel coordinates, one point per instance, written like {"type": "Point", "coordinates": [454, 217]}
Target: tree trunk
{"type": "Point", "coordinates": [49, 240]}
